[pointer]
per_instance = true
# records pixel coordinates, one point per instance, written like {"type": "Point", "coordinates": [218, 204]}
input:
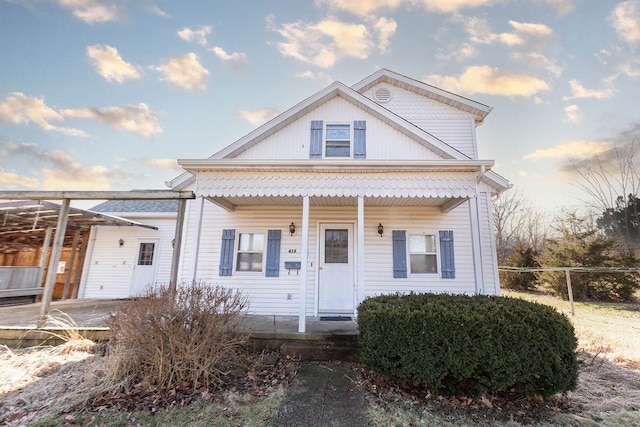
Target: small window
{"type": "Point", "coordinates": [338, 141]}
{"type": "Point", "coordinates": [145, 257]}
{"type": "Point", "coordinates": [422, 253]}
{"type": "Point", "coordinates": [250, 250]}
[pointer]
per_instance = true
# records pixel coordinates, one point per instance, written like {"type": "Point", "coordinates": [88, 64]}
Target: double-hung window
{"type": "Point", "coordinates": [250, 252]}
{"type": "Point", "coordinates": [423, 257]}
{"type": "Point", "coordinates": [338, 140]}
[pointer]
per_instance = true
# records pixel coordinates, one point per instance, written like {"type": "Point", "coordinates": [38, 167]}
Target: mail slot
{"type": "Point", "coordinates": [292, 265]}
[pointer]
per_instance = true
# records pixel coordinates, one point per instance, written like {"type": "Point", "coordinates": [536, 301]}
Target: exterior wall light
{"type": "Point", "coordinates": [292, 229]}
{"type": "Point", "coordinates": [380, 229]}
{"type": "Point", "coordinates": [121, 243]}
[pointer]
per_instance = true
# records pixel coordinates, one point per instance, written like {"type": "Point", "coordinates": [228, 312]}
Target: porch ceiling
{"type": "Point", "coordinates": [444, 203]}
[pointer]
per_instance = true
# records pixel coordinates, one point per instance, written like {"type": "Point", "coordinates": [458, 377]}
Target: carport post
{"type": "Point", "coordinates": [72, 258]}
{"type": "Point", "coordinates": [177, 245]}
{"type": "Point", "coordinates": [58, 241]}
{"type": "Point", "coordinates": [43, 254]}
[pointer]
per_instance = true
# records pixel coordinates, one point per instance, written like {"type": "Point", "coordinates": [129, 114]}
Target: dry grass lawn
{"type": "Point", "coordinates": [39, 385]}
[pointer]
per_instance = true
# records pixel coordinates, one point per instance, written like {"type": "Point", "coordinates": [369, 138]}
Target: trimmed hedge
{"type": "Point", "coordinates": [468, 345]}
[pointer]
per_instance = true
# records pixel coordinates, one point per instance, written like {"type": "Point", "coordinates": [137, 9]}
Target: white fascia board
{"type": "Point", "coordinates": [497, 181]}
{"type": "Point", "coordinates": [460, 102]}
{"type": "Point", "coordinates": [181, 182]}
{"type": "Point", "coordinates": [146, 215]}
{"type": "Point", "coordinates": [203, 165]}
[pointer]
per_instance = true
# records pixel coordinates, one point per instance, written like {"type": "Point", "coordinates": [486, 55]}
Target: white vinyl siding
{"type": "Point", "coordinates": [109, 269]}
{"type": "Point", "coordinates": [383, 141]}
{"type": "Point", "coordinates": [487, 244]}
{"type": "Point", "coordinates": [452, 126]}
{"type": "Point", "coordinates": [270, 295]}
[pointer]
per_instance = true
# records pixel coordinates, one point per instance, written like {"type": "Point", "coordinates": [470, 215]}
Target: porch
{"type": "Point", "coordinates": [333, 338]}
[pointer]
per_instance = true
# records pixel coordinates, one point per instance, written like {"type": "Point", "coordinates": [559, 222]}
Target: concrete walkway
{"type": "Point", "coordinates": [323, 394]}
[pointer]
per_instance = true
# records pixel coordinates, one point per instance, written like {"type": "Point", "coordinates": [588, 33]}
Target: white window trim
{"type": "Point", "coordinates": [324, 139]}
{"type": "Point", "coordinates": [237, 250]}
{"type": "Point", "coordinates": [436, 236]}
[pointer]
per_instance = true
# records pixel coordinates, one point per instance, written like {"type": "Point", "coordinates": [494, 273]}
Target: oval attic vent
{"type": "Point", "coordinates": [382, 95]}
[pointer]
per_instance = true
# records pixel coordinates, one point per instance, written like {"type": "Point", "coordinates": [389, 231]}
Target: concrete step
{"type": "Point", "coordinates": [321, 351]}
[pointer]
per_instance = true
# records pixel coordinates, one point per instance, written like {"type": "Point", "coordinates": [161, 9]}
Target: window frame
{"type": "Point", "coordinates": [436, 252]}
{"type": "Point", "coordinates": [326, 139]}
{"type": "Point", "coordinates": [143, 258]}
{"type": "Point", "coordinates": [262, 252]}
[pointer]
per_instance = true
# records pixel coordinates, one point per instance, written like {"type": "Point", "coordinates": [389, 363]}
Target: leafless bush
{"type": "Point", "coordinates": [194, 336]}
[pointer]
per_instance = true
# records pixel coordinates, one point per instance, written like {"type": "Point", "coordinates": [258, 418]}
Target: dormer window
{"type": "Point", "coordinates": [338, 140]}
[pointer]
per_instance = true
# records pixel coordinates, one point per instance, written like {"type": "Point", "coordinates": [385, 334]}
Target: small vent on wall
{"type": "Point", "coordinates": [382, 95]}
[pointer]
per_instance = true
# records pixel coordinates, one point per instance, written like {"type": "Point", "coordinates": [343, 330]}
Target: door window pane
{"type": "Point", "coordinates": [336, 246]}
{"type": "Point", "coordinates": [145, 257]}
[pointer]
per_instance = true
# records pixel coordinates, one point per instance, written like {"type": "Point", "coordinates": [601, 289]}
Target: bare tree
{"type": "Point", "coordinates": [516, 222]}
{"type": "Point", "coordinates": [611, 183]}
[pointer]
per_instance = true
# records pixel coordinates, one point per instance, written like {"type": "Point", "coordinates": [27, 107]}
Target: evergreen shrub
{"type": "Point", "coordinates": [468, 345]}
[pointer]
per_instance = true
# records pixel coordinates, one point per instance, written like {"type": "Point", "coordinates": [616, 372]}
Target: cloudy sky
{"type": "Point", "coordinates": [106, 94]}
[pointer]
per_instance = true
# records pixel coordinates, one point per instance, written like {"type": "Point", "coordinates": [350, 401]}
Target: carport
{"type": "Point", "coordinates": [33, 221]}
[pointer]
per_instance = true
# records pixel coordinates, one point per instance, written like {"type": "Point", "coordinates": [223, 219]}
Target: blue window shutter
{"type": "Point", "coordinates": [399, 254]}
{"type": "Point", "coordinates": [447, 263]}
{"type": "Point", "coordinates": [273, 254]}
{"type": "Point", "coordinates": [359, 139]}
{"type": "Point", "coordinates": [226, 252]}
{"type": "Point", "coordinates": [315, 147]}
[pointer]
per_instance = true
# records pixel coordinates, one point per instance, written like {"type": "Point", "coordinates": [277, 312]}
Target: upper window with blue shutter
{"type": "Point", "coordinates": [338, 140]}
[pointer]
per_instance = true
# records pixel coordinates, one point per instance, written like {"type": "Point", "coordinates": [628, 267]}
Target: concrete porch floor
{"type": "Point", "coordinates": [18, 326]}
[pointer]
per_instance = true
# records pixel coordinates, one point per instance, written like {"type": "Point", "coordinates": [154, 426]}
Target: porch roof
{"type": "Point", "coordinates": [232, 183]}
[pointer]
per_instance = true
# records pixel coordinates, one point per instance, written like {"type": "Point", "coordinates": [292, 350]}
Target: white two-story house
{"type": "Point", "coordinates": [354, 192]}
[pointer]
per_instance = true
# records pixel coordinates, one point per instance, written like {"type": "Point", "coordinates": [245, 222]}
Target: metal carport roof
{"type": "Point", "coordinates": [24, 223]}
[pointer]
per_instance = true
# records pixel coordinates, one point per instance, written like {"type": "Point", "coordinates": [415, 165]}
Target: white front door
{"type": "Point", "coordinates": [336, 269]}
{"type": "Point", "coordinates": [144, 270]}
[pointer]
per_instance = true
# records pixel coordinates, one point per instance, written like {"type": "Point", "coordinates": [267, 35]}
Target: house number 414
{"type": "Point", "coordinates": [293, 251]}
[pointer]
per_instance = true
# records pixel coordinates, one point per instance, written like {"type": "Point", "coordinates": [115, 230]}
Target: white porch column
{"type": "Point", "coordinates": [475, 242]}
{"type": "Point", "coordinates": [360, 257]}
{"type": "Point", "coordinates": [302, 319]}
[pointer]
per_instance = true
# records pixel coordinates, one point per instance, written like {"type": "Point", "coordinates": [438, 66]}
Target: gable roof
{"type": "Point", "coordinates": [356, 98]}
{"type": "Point", "coordinates": [354, 95]}
{"type": "Point", "coordinates": [478, 110]}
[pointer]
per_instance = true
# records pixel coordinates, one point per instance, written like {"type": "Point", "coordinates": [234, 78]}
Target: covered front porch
{"type": "Point", "coordinates": [339, 196]}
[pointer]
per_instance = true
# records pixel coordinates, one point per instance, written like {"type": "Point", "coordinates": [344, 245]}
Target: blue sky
{"type": "Point", "coordinates": [105, 95]}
